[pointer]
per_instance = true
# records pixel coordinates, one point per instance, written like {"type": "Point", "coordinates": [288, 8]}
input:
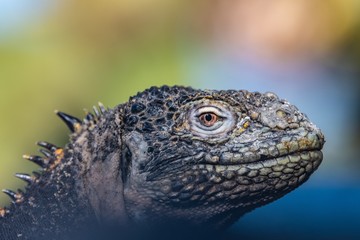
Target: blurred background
{"type": "Point", "coordinates": [69, 54]}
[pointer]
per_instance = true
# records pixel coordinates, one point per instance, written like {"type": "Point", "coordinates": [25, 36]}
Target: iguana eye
{"type": "Point", "coordinates": [208, 119]}
{"type": "Point", "coordinates": [211, 120]}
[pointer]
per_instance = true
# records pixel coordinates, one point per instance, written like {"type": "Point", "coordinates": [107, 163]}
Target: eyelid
{"type": "Point", "coordinates": [210, 109]}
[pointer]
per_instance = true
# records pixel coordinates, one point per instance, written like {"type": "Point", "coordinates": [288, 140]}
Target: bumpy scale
{"type": "Point", "coordinates": [168, 155]}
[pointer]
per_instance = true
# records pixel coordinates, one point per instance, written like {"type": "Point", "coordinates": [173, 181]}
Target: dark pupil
{"type": "Point", "coordinates": [208, 117]}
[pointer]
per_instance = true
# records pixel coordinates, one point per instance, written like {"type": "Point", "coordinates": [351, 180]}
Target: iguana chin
{"type": "Point", "coordinates": [195, 158]}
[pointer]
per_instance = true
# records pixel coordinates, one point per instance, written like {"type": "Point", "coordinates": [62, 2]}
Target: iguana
{"type": "Point", "coordinates": [195, 158]}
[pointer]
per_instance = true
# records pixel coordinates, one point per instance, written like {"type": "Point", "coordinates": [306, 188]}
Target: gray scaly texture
{"type": "Point", "coordinates": [170, 156]}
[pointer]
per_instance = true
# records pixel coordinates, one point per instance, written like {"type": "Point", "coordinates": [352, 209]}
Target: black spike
{"type": "Point", "coordinates": [48, 146]}
{"type": "Point", "coordinates": [36, 159]}
{"type": "Point", "coordinates": [102, 107]}
{"type": "Point", "coordinates": [25, 177]}
{"type": "Point", "coordinates": [96, 111]}
{"type": "Point", "coordinates": [46, 153]}
{"type": "Point", "coordinates": [72, 122]}
{"type": "Point", "coordinates": [11, 194]}
{"type": "Point", "coordinates": [85, 121]}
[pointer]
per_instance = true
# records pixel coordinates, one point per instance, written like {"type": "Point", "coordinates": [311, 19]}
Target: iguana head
{"type": "Point", "coordinates": [207, 157]}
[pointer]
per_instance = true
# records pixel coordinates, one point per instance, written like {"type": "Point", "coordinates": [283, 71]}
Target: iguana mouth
{"type": "Point", "coordinates": [253, 154]}
{"type": "Point", "coordinates": [300, 157]}
{"type": "Point", "coordinates": [297, 157]}
{"type": "Point", "coordinates": [307, 154]}
{"type": "Point", "coordinates": [308, 149]}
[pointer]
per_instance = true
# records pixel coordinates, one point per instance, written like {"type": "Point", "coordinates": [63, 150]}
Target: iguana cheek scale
{"type": "Point", "coordinates": [170, 155]}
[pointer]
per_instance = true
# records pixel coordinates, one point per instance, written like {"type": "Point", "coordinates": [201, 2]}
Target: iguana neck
{"type": "Point", "coordinates": [99, 155]}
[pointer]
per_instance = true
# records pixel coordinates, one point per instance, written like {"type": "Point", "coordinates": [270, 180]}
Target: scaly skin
{"type": "Point", "coordinates": [169, 155]}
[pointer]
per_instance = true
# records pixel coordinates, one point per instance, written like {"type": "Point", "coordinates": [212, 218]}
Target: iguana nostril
{"type": "Point", "coordinates": [275, 118]}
